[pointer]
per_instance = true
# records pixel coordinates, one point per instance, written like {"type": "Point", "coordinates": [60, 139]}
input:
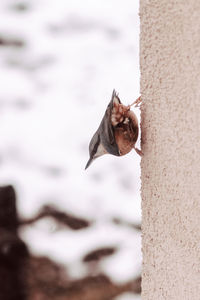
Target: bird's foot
{"type": "Point", "coordinates": [139, 151]}
{"type": "Point", "coordinates": [137, 102]}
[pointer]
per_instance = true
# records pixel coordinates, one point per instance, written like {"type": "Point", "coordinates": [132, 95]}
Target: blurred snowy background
{"type": "Point", "coordinates": [60, 61]}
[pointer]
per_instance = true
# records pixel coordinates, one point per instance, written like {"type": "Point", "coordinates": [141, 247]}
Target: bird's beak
{"type": "Point", "coordinates": [89, 163]}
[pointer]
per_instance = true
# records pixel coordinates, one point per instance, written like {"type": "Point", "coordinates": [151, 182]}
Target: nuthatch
{"type": "Point", "coordinates": [118, 131]}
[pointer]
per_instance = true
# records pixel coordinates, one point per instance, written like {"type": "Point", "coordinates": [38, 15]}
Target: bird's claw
{"type": "Point", "coordinates": [139, 151]}
{"type": "Point", "coordinates": [137, 102]}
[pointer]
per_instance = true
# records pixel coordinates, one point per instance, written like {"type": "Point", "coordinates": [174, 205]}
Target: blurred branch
{"type": "Point", "coordinates": [99, 287]}
{"type": "Point", "coordinates": [13, 251]}
{"type": "Point", "coordinates": [46, 281]}
{"type": "Point", "coordinates": [99, 254]}
{"type": "Point", "coordinates": [8, 212]}
{"type": "Point", "coordinates": [40, 278]}
{"type": "Point", "coordinates": [70, 221]}
{"type": "Point", "coordinates": [11, 42]}
{"type": "Point", "coordinates": [118, 221]}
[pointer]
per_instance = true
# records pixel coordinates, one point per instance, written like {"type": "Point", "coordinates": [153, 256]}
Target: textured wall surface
{"type": "Point", "coordinates": [170, 89]}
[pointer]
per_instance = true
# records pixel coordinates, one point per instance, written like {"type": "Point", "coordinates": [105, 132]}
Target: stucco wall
{"type": "Point", "coordinates": [170, 89]}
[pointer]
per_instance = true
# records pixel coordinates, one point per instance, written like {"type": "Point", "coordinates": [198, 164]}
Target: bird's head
{"type": "Point", "coordinates": [96, 148]}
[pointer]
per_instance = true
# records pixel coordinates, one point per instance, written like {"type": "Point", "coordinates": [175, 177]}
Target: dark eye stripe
{"type": "Point", "coordinates": [94, 150]}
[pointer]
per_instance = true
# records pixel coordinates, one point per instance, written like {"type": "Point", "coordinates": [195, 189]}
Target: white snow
{"type": "Point", "coordinates": [53, 94]}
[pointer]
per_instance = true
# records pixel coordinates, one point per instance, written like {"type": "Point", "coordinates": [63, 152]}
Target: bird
{"type": "Point", "coordinates": [117, 132]}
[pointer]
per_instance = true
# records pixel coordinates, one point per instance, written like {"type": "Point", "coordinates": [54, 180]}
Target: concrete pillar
{"type": "Point", "coordinates": [170, 118]}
